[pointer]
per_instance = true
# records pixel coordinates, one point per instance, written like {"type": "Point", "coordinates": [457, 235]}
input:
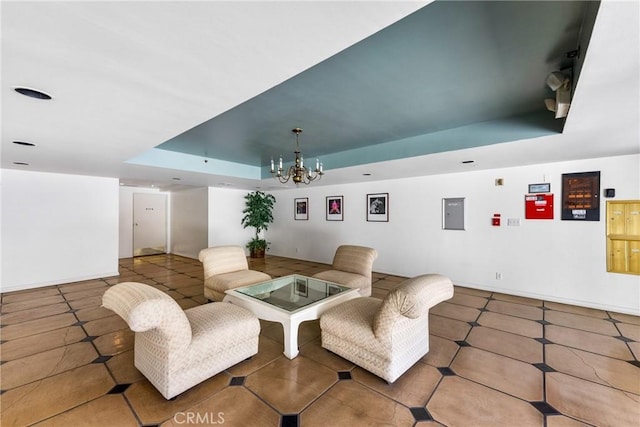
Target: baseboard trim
{"type": "Point", "coordinates": [66, 280]}
{"type": "Point", "coordinates": [552, 298]}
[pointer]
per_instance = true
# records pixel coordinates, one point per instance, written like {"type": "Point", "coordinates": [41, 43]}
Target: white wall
{"type": "Point", "coordinates": [556, 260]}
{"type": "Point", "coordinates": [189, 221]}
{"type": "Point", "coordinates": [225, 214]}
{"type": "Point", "coordinates": [57, 228]}
{"type": "Point", "coordinates": [125, 230]}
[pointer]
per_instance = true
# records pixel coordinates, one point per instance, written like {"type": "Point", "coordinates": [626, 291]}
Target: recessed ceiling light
{"type": "Point", "coordinates": [26, 144]}
{"type": "Point", "coordinates": [466, 162]}
{"type": "Point", "coordinates": [21, 163]}
{"type": "Point", "coordinates": [32, 93]}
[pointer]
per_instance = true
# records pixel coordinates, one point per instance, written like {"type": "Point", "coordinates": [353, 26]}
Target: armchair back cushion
{"type": "Point", "coordinates": [354, 259]}
{"type": "Point", "coordinates": [351, 267]}
{"type": "Point", "coordinates": [226, 267]}
{"type": "Point", "coordinates": [222, 259]}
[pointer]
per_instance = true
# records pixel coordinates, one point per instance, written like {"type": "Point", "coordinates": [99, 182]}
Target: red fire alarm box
{"type": "Point", "coordinates": [538, 206]}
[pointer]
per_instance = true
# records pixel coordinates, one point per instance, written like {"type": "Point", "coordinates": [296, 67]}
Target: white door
{"type": "Point", "coordinates": [149, 224]}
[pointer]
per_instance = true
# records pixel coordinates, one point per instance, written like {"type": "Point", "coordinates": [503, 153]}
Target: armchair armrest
{"type": "Point", "coordinates": [412, 299]}
{"type": "Point", "coordinates": [438, 288]}
{"type": "Point", "coordinates": [146, 309]}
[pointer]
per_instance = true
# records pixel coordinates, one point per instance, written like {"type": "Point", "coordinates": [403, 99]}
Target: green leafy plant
{"type": "Point", "coordinates": [258, 213]}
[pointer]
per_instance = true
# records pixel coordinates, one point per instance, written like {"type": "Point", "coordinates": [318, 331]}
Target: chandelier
{"type": "Point", "coordinates": [298, 172]}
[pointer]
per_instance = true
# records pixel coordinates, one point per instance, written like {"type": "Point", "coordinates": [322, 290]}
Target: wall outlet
{"type": "Point", "coordinates": [513, 222]}
{"type": "Point", "coordinates": [498, 276]}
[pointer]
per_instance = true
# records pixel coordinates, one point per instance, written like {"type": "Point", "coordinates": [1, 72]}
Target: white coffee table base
{"type": "Point", "coordinates": [290, 320]}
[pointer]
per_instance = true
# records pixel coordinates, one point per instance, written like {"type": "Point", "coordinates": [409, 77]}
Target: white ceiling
{"type": "Point", "coordinates": [127, 76]}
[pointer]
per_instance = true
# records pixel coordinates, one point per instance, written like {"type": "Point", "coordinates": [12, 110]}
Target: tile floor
{"type": "Point", "coordinates": [495, 360]}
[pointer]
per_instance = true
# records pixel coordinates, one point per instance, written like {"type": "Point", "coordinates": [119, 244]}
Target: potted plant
{"type": "Point", "coordinates": [258, 213]}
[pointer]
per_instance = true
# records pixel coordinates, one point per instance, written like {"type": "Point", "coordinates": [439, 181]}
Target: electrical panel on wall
{"type": "Point", "coordinates": [453, 213]}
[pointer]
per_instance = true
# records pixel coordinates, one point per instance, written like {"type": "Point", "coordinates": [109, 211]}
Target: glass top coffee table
{"type": "Point", "coordinates": [290, 300]}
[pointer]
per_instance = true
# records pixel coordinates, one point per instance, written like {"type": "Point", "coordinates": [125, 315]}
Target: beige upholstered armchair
{"type": "Point", "coordinates": [386, 337]}
{"type": "Point", "coordinates": [352, 266]}
{"type": "Point", "coordinates": [226, 267]}
{"type": "Point", "coordinates": [178, 349]}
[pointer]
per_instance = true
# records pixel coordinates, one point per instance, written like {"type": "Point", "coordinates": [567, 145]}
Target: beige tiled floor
{"type": "Point", "coordinates": [495, 360]}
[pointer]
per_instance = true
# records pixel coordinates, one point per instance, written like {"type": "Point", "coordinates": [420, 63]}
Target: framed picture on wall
{"type": "Point", "coordinates": [335, 208]}
{"type": "Point", "coordinates": [378, 207]}
{"type": "Point", "coordinates": [301, 209]}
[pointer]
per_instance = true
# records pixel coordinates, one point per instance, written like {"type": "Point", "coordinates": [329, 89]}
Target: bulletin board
{"type": "Point", "coordinates": [580, 201]}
